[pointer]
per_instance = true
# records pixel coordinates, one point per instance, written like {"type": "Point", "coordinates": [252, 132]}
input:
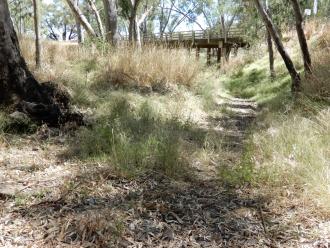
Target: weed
{"type": "Point", "coordinates": [134, 140]}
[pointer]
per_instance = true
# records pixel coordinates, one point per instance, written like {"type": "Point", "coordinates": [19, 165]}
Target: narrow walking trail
{"type": "Point", "coordinates": [47, 200]}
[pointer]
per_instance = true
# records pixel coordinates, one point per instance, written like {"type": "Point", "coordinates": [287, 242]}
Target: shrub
{"type": "Point", "coordinates": [154, 67]}
{"type": "Point", "coordinates": [134, 140]}
{"type": "Point", "coordinates": [295, 150]}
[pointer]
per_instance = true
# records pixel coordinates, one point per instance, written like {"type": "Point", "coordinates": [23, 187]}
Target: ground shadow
{"type": "Point", "coordinates": [157, 212]}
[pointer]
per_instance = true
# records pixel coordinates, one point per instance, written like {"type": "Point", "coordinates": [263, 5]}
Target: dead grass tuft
{"type": "Point", "coordinates": [152, 66]}
{"type": "Point", "coordinates": [155, 67]}
{"type": "Point", "coordinates": [294, 150]}
{"type": "Point", "coordinates": [318, 84]}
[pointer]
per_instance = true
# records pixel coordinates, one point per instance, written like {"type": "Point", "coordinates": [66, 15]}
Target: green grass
{"type": "Point", "coordinates": [136, 138]}
{"type": "Point", "coordinates": [290, 145]}
{"type": "Point", "coordinates": [253, 81]}
{"type": "Point", "coordinates": [9, 125]}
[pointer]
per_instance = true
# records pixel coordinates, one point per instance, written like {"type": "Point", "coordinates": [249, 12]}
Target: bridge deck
{"type": "Point", "coordinates": [223, 44]}
{"type": "Point", "coordinates": [199, 38]}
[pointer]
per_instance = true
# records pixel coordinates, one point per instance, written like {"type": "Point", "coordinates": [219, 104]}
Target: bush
{"type": "Point", "coordinates": [154, 67]}
{"type": "Point", "coordinates": [16, 125]}
{"type": "Point", "coordinates": [134, 140]}
{"type": "Point", "coordinates": [295, 150]}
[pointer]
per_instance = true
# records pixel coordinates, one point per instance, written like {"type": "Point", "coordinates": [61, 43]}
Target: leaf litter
{"type": "Point", "coordinates": [50, 201]}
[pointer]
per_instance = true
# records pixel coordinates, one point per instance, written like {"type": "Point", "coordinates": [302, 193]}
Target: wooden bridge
{"type": "Point", "coordinates": [217, 42]}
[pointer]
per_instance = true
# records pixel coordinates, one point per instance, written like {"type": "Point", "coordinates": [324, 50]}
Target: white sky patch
{"type": "Point", "coordinates": [48, 1]}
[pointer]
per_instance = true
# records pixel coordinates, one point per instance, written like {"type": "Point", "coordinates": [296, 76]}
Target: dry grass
{"type": "Point", "coordinates": [153, 67]}
{"type": "Point", "coordinates": [290, 148]}
{"type": "Point", "coordinates": [318, 85]}
{"type": "Point", "coordinates": [243, 58]}
{"type": "Point", "coordinates": [53, 53]}
{"type": "Point", "coordinates": [295, 150]}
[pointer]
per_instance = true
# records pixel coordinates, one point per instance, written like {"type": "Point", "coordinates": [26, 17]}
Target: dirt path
{"type": "Point", "coordinates": [50, 201]}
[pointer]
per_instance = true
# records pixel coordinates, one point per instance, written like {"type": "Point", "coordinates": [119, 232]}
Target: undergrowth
{"type": "Point", "coordinates": [134, 138]}
{"type": "Point", "coordinates": [290, 145]}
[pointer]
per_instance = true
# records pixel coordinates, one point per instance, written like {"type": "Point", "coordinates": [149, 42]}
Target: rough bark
{"type": "Point", "coordinates": [270, 47]}
{"type": "Point", "coordinates": [270, 55]}
{"type": "Point", "coordinates": [228, 51]}
{"type": "Point", "coordinates": [301, 36]}
{"type": "Point", "coordinates": [44, 103]}
{"type": "Point", "coordinates": [78, 26]}
{"type": "Point", "coordinates": [81, 18]}
{"type": "Point", "coordinates": [296, 80]}
{"type": "Point", "coordinates": [97, 17]}
{"type": "Point", "coordinates": [111, 21]}
{"type": "Point", "coordinates": [37, 32]}
{"type": "Point", "coordinates": [132, 28]}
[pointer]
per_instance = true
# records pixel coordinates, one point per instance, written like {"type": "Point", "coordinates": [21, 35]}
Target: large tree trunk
{"type": "Point", "coordinates": [132, 28]}
{"type": "Point", "coordinates": [78, 25]}
{"type": "Point", "coordinates": [37, 32]}
{"type": "Point", "coordinates": [296, 80]}
{"type": "Point", "coordinates": [44, 103]}
{"type": "Point", "coordinates": [82, 19]}
{"type": "Point", "coordinates": [270, 47]}
{"type": "Point", "coordinates": [111, 22]}
{"type": "Point", "coordinates": [97, 17]}
{"type": "Point", "coordinates": [223, 28]}
{"type": "Point", "coordinates": [301, 36]}
{"type": "Point", "coordinates": [271, 55]}
{"type": "Point", "coordinates": [139, 23]}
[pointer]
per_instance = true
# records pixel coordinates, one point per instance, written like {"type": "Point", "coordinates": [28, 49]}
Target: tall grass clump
{"type": "Point", "coordinates": [134, 139]}
{"type": "Point", "coordinates": [3, 125]}
{"type": "Point", "coordinates": [290, 146]}
{"type": "Point", "coordinates": [295, 150]}
{"type": "Point", "coordinates": [152, 66]}
{"type": "Point", "coordinates": [317, 85]}
{"type": "Point", "coordinates": [102, 66]}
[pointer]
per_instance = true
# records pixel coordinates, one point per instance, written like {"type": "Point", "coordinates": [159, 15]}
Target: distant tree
{"type": "Point", "coordinates": [130, 9]}
{"type": "Point", "coordinates": [270, 46]}
{"type": "Point", "coordinates": [80, 34]}
{"type": "Point", "coordinates": [296, 80]}
{"type": "Point", "coordinates": [58, 22]}
{"type": "Point", "coordinates": [111, 21]}
{"type": "Point", "coordinates": [22, 14]}
{"type": "Point", "coordinates": [96, 13]}
{"type": "Point", "coordinates": [301, 36]}
{"type": "Point", "coordinates": [81, 17]}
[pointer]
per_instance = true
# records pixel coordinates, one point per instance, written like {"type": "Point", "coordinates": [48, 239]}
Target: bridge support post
{"type": "Point", "coordinates": [219, 56]}
{"type": "Point", "coordinates": [208, 56]}
{"type": "Point", "coordinates": [198, 49]}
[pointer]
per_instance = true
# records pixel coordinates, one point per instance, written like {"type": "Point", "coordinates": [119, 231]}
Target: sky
{"type": "Point", "coordinates": [184, 26]}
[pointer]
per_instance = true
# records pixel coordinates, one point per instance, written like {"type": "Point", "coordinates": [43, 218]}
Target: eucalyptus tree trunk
{"type": "Point", "coordinates": [111, 21]}
{"type": "Point", "coordinates": [301, 36]}
{"type": "Point", "coordinates": [78, 26]}
{"type": "Point", "coordinates": [81, 18]}
{"type": "Point", "coordinates": [223, 27]}
{"type": "Point", "coordinates": [97, 17]}
{"type": "Point", "coordinates": [132, 27]}
{"type": "Point", "coordinates": [139, 22]}
{"type": "Point", "coordinates": [270, 47]}
{"type": "Point", "coordinates": [271, 55]}
{"type": "Point", "coordinates": [295, 77]}
{"type": "Point", "coordinates": [44, 103]}
{"type": "Point", "coordinates": [37, 32]}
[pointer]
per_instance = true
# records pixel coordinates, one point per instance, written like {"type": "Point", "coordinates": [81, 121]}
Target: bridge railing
{"type": "Point", "coordinates": [191, 35]}
{"type": "Point", "coordinates": [233, 32]}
